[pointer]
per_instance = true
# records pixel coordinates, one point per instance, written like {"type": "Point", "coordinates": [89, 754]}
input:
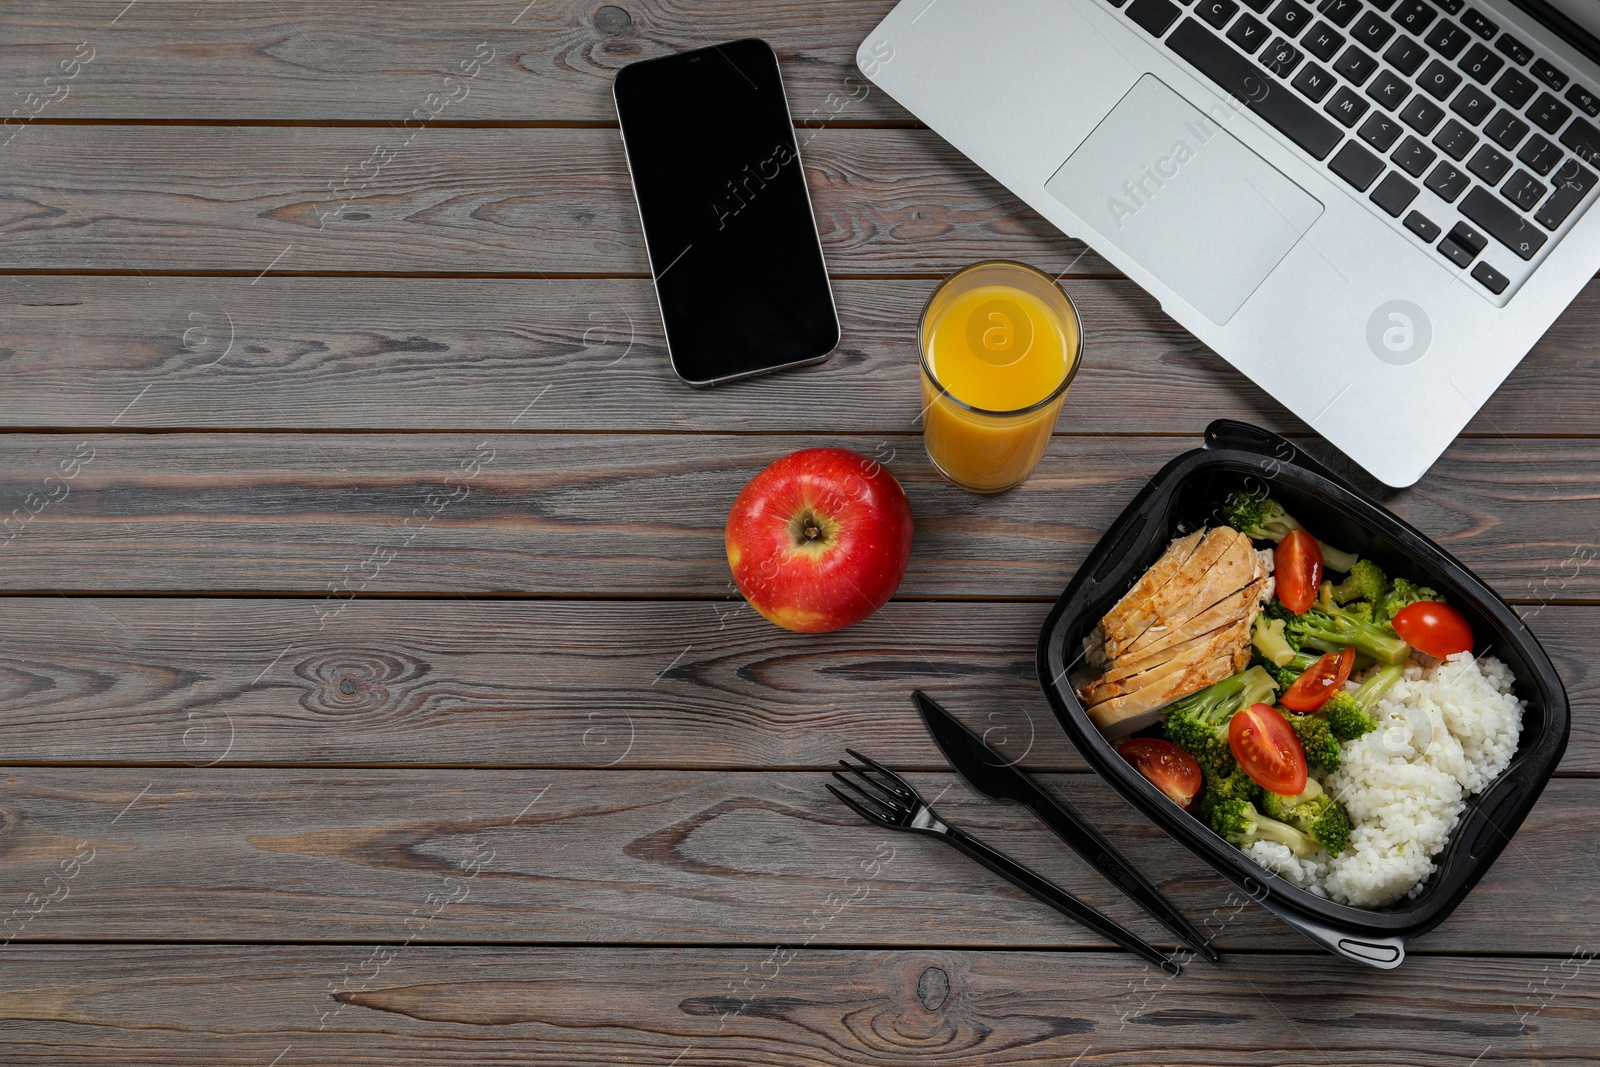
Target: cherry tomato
{"type": "Point", "coordinates": [1319, 682]}
{"type": "Point", "coordinates": [1266, 747]}
{"type": "Point", "coordinates": [1434, 628]}
{"type": "Point", "coordinates": [1168, 767]}
{"type": "Point", "coordinates": [1297, 563]}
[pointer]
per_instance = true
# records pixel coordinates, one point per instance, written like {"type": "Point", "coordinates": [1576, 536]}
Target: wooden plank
{"type": "Point", "coordinates": [779, 1007]}
{"type": "Point", "coordinates": [246, 199]}
{"type": "Point", "coordinates": [636, 856]}
{"type": "Point", "coordinates": [550, 684]}
{"type": "Point", "coordinates": [233, 60]}
{"type": "Point", "coordinates": [393, 353]}
{"type": "Point", "coordinates": [641, 514]}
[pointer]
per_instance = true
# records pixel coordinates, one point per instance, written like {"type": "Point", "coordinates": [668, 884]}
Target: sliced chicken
{"type": "Point", "coordinates": [1183, 626]}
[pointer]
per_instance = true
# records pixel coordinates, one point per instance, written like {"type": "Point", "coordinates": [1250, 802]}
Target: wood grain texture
{"type": "Point", "coordinates": [780, 1007]}
{"type": "Point", "coordinates": [232, 60]}
{"type": "Point", "coordinates": [403, 354]}
{"type": "Point", "coordinates": [640, 856]}
{"type": "Point", "coordinates": [643, 515]}
{"type": "Point", "coordinates": [549, 683]}
{"type": "Point", "coordinates": [205, 198]}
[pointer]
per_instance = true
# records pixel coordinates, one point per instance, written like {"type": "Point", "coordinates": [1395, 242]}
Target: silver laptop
{"type": "Point", "coordinates": [1373, 208]}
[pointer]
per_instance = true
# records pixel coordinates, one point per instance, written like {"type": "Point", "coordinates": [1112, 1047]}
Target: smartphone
{"type": "Point", "coordinates": [727, 219]}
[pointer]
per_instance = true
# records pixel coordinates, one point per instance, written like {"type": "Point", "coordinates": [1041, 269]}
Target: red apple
{"type": "Point", "coordinates": [820, 539]}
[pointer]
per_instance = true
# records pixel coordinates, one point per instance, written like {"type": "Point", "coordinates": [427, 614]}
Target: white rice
{"type": "Point", "coordinates": [1444, 733]}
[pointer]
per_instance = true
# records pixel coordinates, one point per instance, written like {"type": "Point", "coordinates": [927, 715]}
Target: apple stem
{"type": "Point", "coordinates": [809, 527]}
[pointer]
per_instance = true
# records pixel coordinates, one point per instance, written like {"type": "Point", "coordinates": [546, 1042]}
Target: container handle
{"type": "Point", "coordinates": [1243, 437]}
{"type": "Point", "coordinates": [1384, 953]}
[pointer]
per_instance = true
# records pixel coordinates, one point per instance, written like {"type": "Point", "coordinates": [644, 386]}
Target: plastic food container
{"type": "Point", "coordinates": [1184, 495]}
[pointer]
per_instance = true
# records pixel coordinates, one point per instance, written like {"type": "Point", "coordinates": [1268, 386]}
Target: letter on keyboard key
{"type": "Point", "coordinates": [1274, 102]}
{"type": "Point", "coordinates": [1502, 223]}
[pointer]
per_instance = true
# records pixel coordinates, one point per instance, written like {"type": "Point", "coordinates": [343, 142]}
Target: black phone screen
{"type": "Point", "coordinates": [727, 220]}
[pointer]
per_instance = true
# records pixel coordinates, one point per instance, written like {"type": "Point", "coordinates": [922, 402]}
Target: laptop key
{"type": "Point", "coordinates": [1546, 72]}
{"type": "Point", "coordinates": [1414, 15]}
{"type": "Point", "coordinates": [1389, 90]}
{"type": "Point", "coordinates": [1447, 39]}
{"type": "Point", "coordinates": [1583, 139]}
{"type": "Point", "coordinates": [1506, 130]}
{"type": "Point", "coordinates": [1346, 106]}
{"type": "Point", "coordinates": [1478, 24]}
{"type": "Point", "coordinates": [1520, 53]}
{"type": "Point", "coordinates": [1281, 57]}
{"type": "Point", "coordinates": [1423, 226]}
{"type": "Point", "coordinates": [1455, 140]}
{"type": "Point", "coordinates": [1586, 101]}
{"type": "Point", "coordinates": [1523, 190]}
{"type": "Point", "coordinates": [1290, 17]}
{"type": "Point", "coordinates": [1356, 165]}
{"type": "Point", "coordinates": [1452, 6]}
{"type": "Point", "coordinates": [1217, 12]}
{"type": "Point", "coordinates": [1490, 278]}
{"type": "Point", "coordinates": [1439, 80]}
{"type": "Point", "coordinates": [1405, 55]}
{"type": "Point", "coordinates": [1468, 238]}
{"type": "Point", "coordinates": [1515, 88]}
{"type": "Point", "coordinates": [1237, 76]}
{"type": "Point", "coordinates": [1447, 183]}
{"type": "Point", "coordinates": [1573, 182]}
{"type": "Point", "coordinates": [1313, 81]}
{"type": "Point", "coordinates": [1489, 165]}
{"type": "Point", "coordinates": [1394, 194]}
{"type": "Point", "coordinates": [1481, 64]}
{"type": "Point", "coordinates": [1421, 116]}
{"type": "Point", "coordinates": [1540, 155]}
{"type": "Point", "coordinates": [1322, 41]}
{"type": "Point", "coordinates": [1380, 131]}
{"type": "Point", "coordinates": [1156, 16]}
{"type": "Point", "coordinates": [1258, 6]}
{"type": "Point", "coordinates": [1339, 12]}
{"type": "Point", "coordinates": [1414, 157]}
{"type": "Point", "coordinates": [1501, 223]}
{"type": "Point", "coordinates": [1248, 33]}
{"type": "Point", "coordinates": [1452, 251]}
{"type": "Point", "coordinates": [1372, 32]}
{"type": "Point", "coordinates": [1355, 65]}
{"type": "Point", "coordinates": [1548, 113]}
{"type": "Point", "coordinates": [1472, 104]}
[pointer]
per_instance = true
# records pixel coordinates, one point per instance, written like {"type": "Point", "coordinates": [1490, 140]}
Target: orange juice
{"type": "Point", "coordinates": [1000, 344]}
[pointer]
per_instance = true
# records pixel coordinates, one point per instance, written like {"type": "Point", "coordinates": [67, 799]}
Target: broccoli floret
{"type": "Point", "coordinates": [1314, 813]}
{"type": "Point", "coordinates": [1238, 822]}
{"type": "Point", "coordinates": [1328, 627]}
{"type": "Point", "coordinates": [1197, 723]}
{"type": "Point", "coordinates": [1401, 594]}
{"type": "Point", "coordinates": [1263, 518]}
{"type": "Point", "coordinates": [1284, 676]}
{"type": "Point", "coordinates": [1366, 581]}
{"type": "Point", "coordinates": [1322, 748]}
{"type": "Point", "coordinates": [1349, 714]}
{"type": "Point", "coordinates": [1235, 785]}
{"type": "Point", "coordinates": [1361, 609]}
{"type": "Point", "coordinates": [1270, 639]}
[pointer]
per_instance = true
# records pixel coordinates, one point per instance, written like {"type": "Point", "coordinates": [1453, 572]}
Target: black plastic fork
{"type": "Point", "coordinates": [889, 801]}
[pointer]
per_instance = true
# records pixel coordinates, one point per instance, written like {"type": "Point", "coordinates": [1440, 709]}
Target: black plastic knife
{"type": "Point", "coordinates": [990, 774]}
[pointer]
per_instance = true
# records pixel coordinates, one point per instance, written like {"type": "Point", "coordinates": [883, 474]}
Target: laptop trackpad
{"type": "Point", "coordinates": [1168, 185]}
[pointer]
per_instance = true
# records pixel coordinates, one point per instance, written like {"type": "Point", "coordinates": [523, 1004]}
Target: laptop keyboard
{"type": "Point", "coordinates": [1460, 134]}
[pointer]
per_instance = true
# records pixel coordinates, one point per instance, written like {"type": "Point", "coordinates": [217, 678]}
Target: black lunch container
{"type": "Point", "coordinates": [1185, 495]}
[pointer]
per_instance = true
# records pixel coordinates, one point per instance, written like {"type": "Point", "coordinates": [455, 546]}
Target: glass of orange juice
{"type": "Point", "coordinates": [1000, 344]}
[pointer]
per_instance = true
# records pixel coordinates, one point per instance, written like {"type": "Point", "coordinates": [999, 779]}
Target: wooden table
{"type": "Point", "coordinates": [373, 688]}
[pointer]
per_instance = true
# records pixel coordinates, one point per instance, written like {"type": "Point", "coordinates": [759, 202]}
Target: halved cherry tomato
{"type": "Point", "coordinates": [1319, 682]}
{"type": "Point", "coordinates": [1297, 564]}
{"type": "Point", "coordinates": [1437, 629]}
{"type": "Point", "coordinates": [1266, 747]}
{"type": "Point", "coordinates": [1168, 767]}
